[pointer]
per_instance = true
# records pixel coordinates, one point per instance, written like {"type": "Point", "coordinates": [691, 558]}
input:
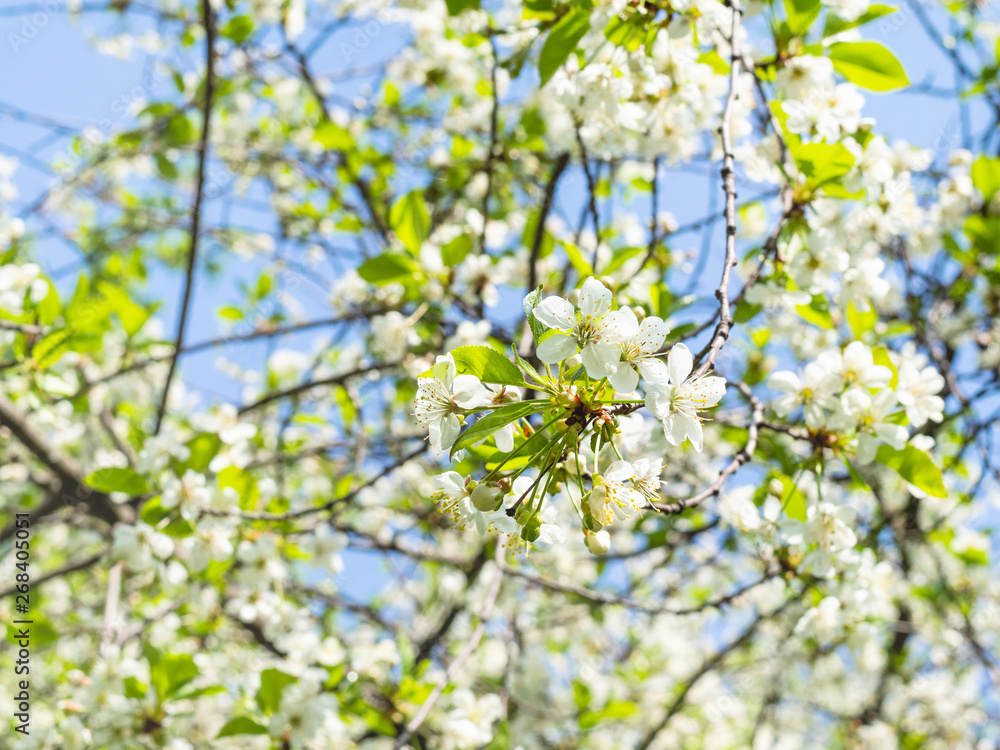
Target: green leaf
{"type": "Point", "coordinates": [857, 481]}
{"type": "Point", "coordinates": [835, 24]}
{"type": "Point", "coordinates": [861, 322]}
{"type": "Point", "coordinates": [880, 355]}
{"type": "Point", "coordinates": [332, 136]}
{"type": "Point", "coordinates": [272, 683]}
{"type": "Point", "coordinates": [792, 499]}
{"type": "Point", "coordinates": [238, 28]}
{"type": "Point", "coordinates": [581, 264]}
{"type": "Point", "coordinates": [801, 14]}
{"type": "Point", "coordinates": [525, 365]}
{"type": "Point", "coordinates": [165, 167]}
{"type": "Point", "coordinates": [231, 313]}
{"type": "Point", "coordinates": [531, 301]}
{"type": "Point", "coordinates": [869, 65]}
{"type": "Point", "coordinates": [203, 447]}
{"type": "Point", "coordinates": [915, 466]}
{"type": "Point", "coordinates": [745, 312]}
{"type": "Point", "coordinates": [561, 42]}
{"type": "Point", "coordinates": [241, 725]}
{"type": "Point", "coordinates": [117, 480]}
{"type": "Point", "coordinates": [168, 673]}
{"type": "Point", "coordinates": [817, 312]}
{"type": "Point", "coordinates": [984, 233]}
{"type": "Point", "coordinates": [455, 251]}
{"type": "Point", "coordinates": [629, 33]}
{"type": "Point", "coordinates": [487, 364]}
{"type": "Point", "coordinates": [457, 6]}
{"type": "Point", "coordinates": [986, 176]}
{"type": "Point", "coordinates": [386, 268]}
{"type": "Point", "coordinates": [823, 162]}
{"type": "Point", "coordinates": [50, 349]}
{"type": "Point", "coordinates": [410, 220]}
{"type": "Point", "coordinates": [485, 426]}
{"type": "Point", "coordinates": [132, 316]}
{"type": "Point", "coordinates": [134, 688]}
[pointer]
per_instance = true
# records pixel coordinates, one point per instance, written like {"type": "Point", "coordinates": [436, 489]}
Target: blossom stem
{"type": "Point", "coordinates": [521, 447]}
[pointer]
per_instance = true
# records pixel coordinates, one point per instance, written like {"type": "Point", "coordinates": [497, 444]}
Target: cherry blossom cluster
{"type": "Point", "coordinates": [593, 360]}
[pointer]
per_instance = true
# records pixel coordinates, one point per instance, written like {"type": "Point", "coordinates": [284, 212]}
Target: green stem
{"type": "Point", "coordinates": [513, 453]}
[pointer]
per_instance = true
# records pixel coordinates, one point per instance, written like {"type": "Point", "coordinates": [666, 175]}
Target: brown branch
{"type": "Point", "coordinates": [192, 259]}
{"type": "Point", "coordinates": [309, 385]}
{"type": "Point", "coordinates": [725, 323]}
{"type": "Point", "coordinates": [72, 567]}
{"type": "Point", "coordinates": [69, 474]}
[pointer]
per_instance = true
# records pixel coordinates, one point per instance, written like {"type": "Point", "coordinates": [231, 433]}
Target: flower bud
{"type": "Point", "coordinates": [532, 529]}
{"type": "Point", "coordinates": [566, 400]}
{"type": "Point", "coordinates": [523, 513]}
{"type": "Point", "coordinates": [487, 498]}
{"type": "Point", "coordinates": [598, 543]}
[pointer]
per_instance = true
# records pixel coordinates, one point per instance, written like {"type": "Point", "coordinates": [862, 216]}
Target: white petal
{"type": "Point", "coordinates": [652, 332]}
{"type": "Point", "coordinates": [556, 312]}
{"type": "Point", "coordinates": [710, 390]}
{"type": "Point", "coordinates": [505, 438]}
{"type": "Point", "coordinates": [679, 363]}
{"type": "Point", "coordinates": [595, 298]}
{"type": "Point", "coordinates": [866, 448]}
{"type": "Point", "coordinates": [444, 369]}
{"type": "Point", "coordinates": [658, 399]}
{"type": "Point", "coordinates": [894, 434]}
{"type": "Point", "coordinates": [601, 360]}
{"type": "Point", "coordinates": [876, 376]}
{"type": "Point", "coordinates": [786, 381]}
{"type": "Point", "coordinates": [469, 392]}
{"type": "Point", "coordinates": [618, 327]}
{"type": "Point", "coordinates": [678, 426]}
{"type": "Point", "coordinates": [624, 379]}
{"type": "Point", "coordinates": [556, 348]}
{"type": "Point", "coordinates": [654, 369]}
{"type": "Point", "coordinates": [619, 471]}
{"type": "Point", "coordinates": [450, 427]}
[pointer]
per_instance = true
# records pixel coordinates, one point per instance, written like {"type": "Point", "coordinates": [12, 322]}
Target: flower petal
{"type": "Point", "coordinates": [469, 392]}
{"type": "Point", "coordinates": [595, 298]}
{"type": "Point", "coordinates": [556, 312]}
{"type": "Point", "coordinates": [624, 379]}
{"type": "Point", "coordinates": [600, 359]}
{"type": "Point", "coordinates": [679, 363]}
{"type": "Point", "coordinates": [652, 332]}
{"type": "Point", "coordinates": [619, 327]}
{"type": "Point", "coordinates": [556, 348]}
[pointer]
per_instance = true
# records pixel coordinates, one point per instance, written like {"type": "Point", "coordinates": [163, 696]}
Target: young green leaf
{"type": "Point", "coordinates": [487, 364]}
{"type": "Point", "coordinates": [272, 683]}
{"type": "Point", "coordinates": [117, 480]}
{"type": "Point", "coordinates": [531, 300]}
{"type": "Point", "coordinates": [410, 221]}
{"type": "Point", "coordinates": [801, 14]}
{"type": "Point", "coordinates": [241, 725]}
{"type": "Point", "coordinates": [869, 65]}
{"type": "Point", "coordinates": [485, 426]}
{"type": "Point", "coordinates": [561, 42]}
{"type": "Point", "coordinates": [915, 466]}
{"type": "Point", "coordinates": [386, 268]}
